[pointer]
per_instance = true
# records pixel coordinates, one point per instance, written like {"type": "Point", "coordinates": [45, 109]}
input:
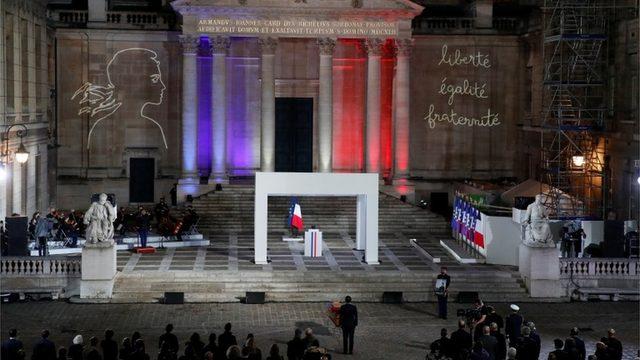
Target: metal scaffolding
{"type": "Point", "coordinates": [575, 107]}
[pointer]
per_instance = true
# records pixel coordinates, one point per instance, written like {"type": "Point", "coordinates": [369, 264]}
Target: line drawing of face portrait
{"type": "Point", "coordinates": [100, 102]}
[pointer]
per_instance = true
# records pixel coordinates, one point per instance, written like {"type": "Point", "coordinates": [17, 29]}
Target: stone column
{"type": "Point", "coordinates": [325, 109]}
{"type": "Point", "coordinates": [189, 107]}
{"type": "Point", "coordinates": [16, 184]}
{"type": "Point", "coordinates": [402, 109]}
{"type": "Point", "coordinates": [372, 133]}
{"type": "Point", "coordinates": [268, 48]}
{"type": "Point", "coordinates": [220, 47]}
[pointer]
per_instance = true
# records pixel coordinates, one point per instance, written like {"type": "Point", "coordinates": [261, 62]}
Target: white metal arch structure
{"type": "Point", "coordinates": [363, 186]}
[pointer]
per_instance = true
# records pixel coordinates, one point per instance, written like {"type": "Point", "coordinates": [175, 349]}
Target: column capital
{"type": "Point", "coordinates": [374, 46]}
{"type": "Point", "coordinates": [268, 45]}
{"type": "Point", "coordinates": [404, 47]}
{"type": "Point", "coordinates": [326, 45]}
{"type": "Point", "coordinates": [190, 44]}
{"type": "Point", "coordinates": [220, 44]}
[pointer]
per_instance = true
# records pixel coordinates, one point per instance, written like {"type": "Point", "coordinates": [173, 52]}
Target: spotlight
{"type": "Point", "coordinates": [638, 180]}
{"type": "Point", "coordinates": [578, 160]}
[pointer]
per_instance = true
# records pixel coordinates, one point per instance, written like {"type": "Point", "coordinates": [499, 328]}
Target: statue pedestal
{"type": "Point", "coordinates": [539, 267]}
{"type": "Point", "coordinates": [98, 270]}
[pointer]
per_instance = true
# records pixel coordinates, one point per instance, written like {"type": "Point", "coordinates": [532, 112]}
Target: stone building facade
{"type": "Point", "coordinates": [25, 81]}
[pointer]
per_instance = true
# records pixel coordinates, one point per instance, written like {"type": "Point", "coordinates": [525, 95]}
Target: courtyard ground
{"type": "Point", "coordinates": [386, 331]}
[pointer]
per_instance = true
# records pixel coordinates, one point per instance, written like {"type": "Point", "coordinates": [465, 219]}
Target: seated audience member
{"type": "Point", "coordinates": [309, 339]}
{"type": "Point", "coordinates": [44, 349]}
{"type": "Point", "coordinates": [226, 339]}
{"type": "Point", "coordinates": [478, 352]}
{"type": "Point", "coordinates": [295, 346]}
{"type": "Point", "coordinates": [316, 353]}
{"type": "Point", "coordinates": [170, 339]}
{"type": "Point", "coordinates": [274, 353]}
{"type": "Point", "coordinates": [559, 352]}
{"type": "Point", "coordinates": [11, 347]}
{"type": "Point", "coordinates": [109, 346]}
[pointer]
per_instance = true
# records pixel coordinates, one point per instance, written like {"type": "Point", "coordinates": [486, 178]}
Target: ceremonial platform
{"type": "Point", "coordinates": [224, 271]}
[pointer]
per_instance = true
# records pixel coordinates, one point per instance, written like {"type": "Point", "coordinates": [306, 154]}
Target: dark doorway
{"type": "Point", "coordinates": [141, 180]}
{"type": "Point", "coordinates": [294, 134]}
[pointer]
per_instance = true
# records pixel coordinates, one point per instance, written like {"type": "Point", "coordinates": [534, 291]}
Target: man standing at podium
{"type": "Point", "coordinates": [442, 292]}
{"type": "Point", "coordinates": [348, 322]}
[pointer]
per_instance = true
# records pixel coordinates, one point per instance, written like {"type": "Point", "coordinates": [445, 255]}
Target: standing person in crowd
{"type": "Point", "coordinates": [513, 325]}
{"type": "Point", "coordinates": [195, 347]}
{"type": "Point", "coordinates": [169, 338]}
{"type": "Point", "coordinates": [582, 352]}
{"type": "Point", "coordinates": [535, 337]}
{"type": "Point", "coordinates": [212, 347]}
{"type": "Point", "coordinates": [309, 339]}
{"type": "Point", "coordinates": [478, 352]}
{"type": "Point", "coordinates": [614, 345]}
{"type": "Point", "coordinates": [274, 353]}
{"type": "Point", "coordinates": [166, 352]}
{"type": "Point", "coordinates": [11, 347]}
{"type": "Point", "coordinates": [143, 220]}
{"type": "Point", "coordinates": [139, 351]}
{"type": "Point", "coordinates": [226, 339]}
{"type": "Point", "coordinates": [602, 353]}
{"type": "Point", "coordinates": [494, 317]}
{"type": "Point", "coordinates": [250, 350]}
{"type": "Point", "coordinates": [44, 349]}
{"type": "Point", "coordinates": [570, 349]}
{"type": "Point", "coordinates": [527, 347]}
{"type": "Point", "coordinates": [134, 337]}
{"type": "Point", "coordinates": [442, 291]}
{"type": "Point", "coordinates": [43, 230]}
{"type": "Point", "coordinates": [442, 347]}
{"type": "Point", "coordinates": [109, 346]}
{"type": "Point", "coordinates": [559, 353]}
{"type": "Point", "coordinates": [512, 353]}
{"type": "Point", "coordinates": [462, 341]}
{"type": "Point", "coordinates": [92, 353]}
{"type": "Point", "coordinates": [62, 353]}
{"type": "Point", "coordinates": [501, 346]}
{"type": "Point", "coordinates": [489, 343]}
{"type": "Point", "coordinates": [234, 353]}
{"type": "Point", "coordinates": [348, 322]}
{"type": "Point", "coordinates": [295, 346]}
{"type": "Point", "coordinates": [126, 350]}
{"type": "Point", "coordinates": [480, 320]}
{"type": "Point", "coordinates": [32, 225]}
{"type": "Point", "coordinates": [76, 350]}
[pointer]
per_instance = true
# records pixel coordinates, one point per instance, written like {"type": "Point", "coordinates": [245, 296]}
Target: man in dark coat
{"type": "Point", "coordinates": [443, 346]}
{"type": "Point", "coordinates": [109, 346]}
{"type": "Point", "coordinates": [535, 337]}
{"type": "Point", "coordinates": [226, 339]}
{"type": "Point", "coordinates": [442, 292]}
{"type": "Point", "coordinates": [44, 349]}
{"type": "Point", "coordinates": [582, 352]}
{"type": "Point", "coordinates": [513, 324]}
{"type": "Point", "coordinates": [462, 341]}
{"type": "Point", "coordinates": [501, 346]}
{"type": "Point", "coordinates": [559, 353]}
{"type": "Point", "coordinates": [11, 347]}
{"type": "Point", "coordinates": [170, 339]}
{"type": "Point", "coordinates": [614, 345]}
{"type": "Point", "coordinates": [526, 346]}
{"type": "Point", "coordinates": [295, 347]}
{"type": "Point", "coordinates": [493, 317]}
{"type": "Point", "coordinates": [489, 343]}
{"type": "Point", "coordinates": [348, 322]}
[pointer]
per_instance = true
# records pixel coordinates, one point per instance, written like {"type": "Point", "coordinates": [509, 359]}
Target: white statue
{"type": "Point", "coordinates": [537, 232]}
{"type": "Point", "coordinates": [99, 220]}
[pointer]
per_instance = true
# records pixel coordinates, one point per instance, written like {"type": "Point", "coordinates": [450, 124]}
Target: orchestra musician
{"type": "Point", "coordinates": [72, 227]}
{"type": "Point", "coordinates": [161, 210]}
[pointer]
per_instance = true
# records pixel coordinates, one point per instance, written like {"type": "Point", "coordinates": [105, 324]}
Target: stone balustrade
{"type": "Point", "coordinates": [24, 266]}
{"type": "Point", "coordinates": [117, 19]}
{"type": "Point", "coordinates": [593, 268]}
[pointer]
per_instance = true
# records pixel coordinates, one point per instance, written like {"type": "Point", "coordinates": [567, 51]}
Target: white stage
{"type": "Point", "coordinates": [363, 186]}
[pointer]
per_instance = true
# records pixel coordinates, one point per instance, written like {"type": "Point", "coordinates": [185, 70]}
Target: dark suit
{"type": "Point", "coordinates": [462, 342]}
{"type": "Point", "coordinates": [10, 349]}
{"type": "Point", "coordinates": [582, 352]}
{"type": "Point", "coordinates": [513, 325]}
{"type": "Point", "coordinates": [501, 347]}
{"type": "Point", "coordinates": [490, 344]}
{"type": "Point", "coordinates": [348, 322]}
{"type": "Point", "coordinates": [44, 349]}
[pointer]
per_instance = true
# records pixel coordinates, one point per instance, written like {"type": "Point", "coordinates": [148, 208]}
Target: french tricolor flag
{"type": "Point", "coordinates": [296, 215]}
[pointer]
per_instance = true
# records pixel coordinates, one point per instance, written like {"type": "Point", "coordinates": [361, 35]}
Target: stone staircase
{"type": "Point", "coordinates": [231, 212]}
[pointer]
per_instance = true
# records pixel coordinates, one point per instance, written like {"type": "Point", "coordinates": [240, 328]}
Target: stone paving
{"type": "Point", "coordinates": [385, 331]}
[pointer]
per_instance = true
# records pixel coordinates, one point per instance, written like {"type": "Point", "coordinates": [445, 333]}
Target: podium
{"type": "Point", "coordinates": [313, 243]}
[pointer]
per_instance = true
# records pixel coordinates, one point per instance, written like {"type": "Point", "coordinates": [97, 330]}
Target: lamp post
{"type": "Point", "coordinates": [21, 155]}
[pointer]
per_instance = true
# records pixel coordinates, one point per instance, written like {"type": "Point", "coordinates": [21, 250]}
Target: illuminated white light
{"type": "Point", "coordinates": [100, 99]}
{"type": "Point", "coordinates": [578, 160]}
{"type": "Point", "coordinates": [22, 155]}
{"type": "Point", "coordinates": [638, 180]}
